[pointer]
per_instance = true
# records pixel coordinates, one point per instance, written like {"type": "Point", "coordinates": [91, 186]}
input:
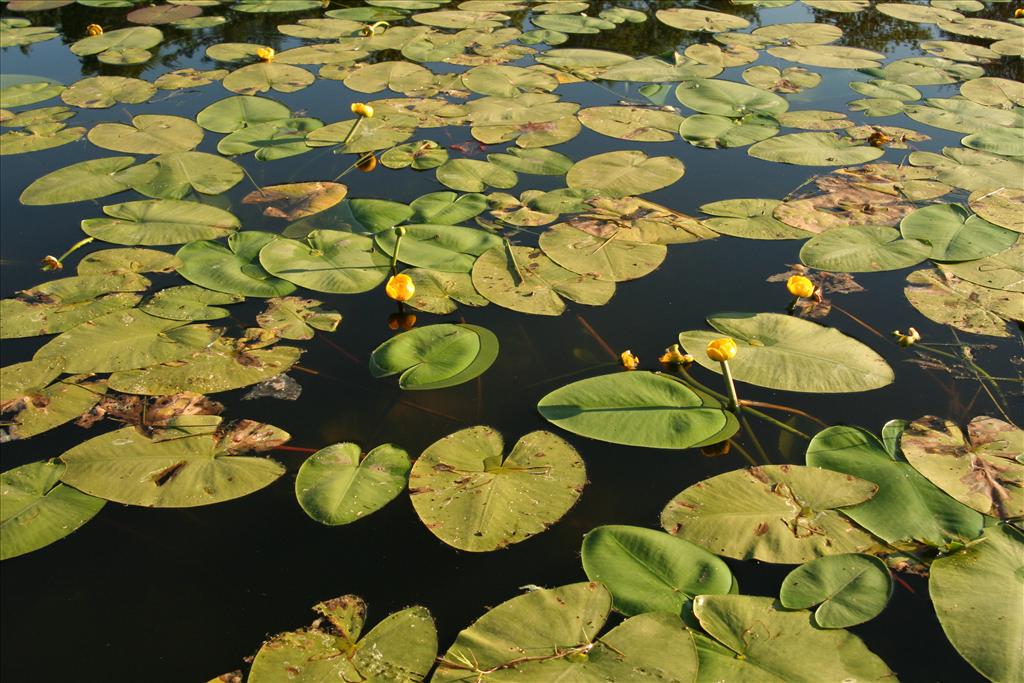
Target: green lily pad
{"type": "Point", "coordinates": [124, 340]}
{"type": "Point", "coordinates": [473, 498]}
{"type": "Point", "coordinates": [81, 288]}
{"type": "Point", "coordinates": [37, 138]}
{"type": "Point", "coordinates": [340, 485]}
{"type": "Point", "coordinates": [954, 234]}
{"type": "Point", "coordinates": [813, 119]}
{"type": "Point", "coordinates": [233, 113]}
{"type": "Point", "coordinates": [1002, 271]}
{"type": "Point", "coordinates": [371, 134]}
{"type": "Point", "coordinates": [793, 79]}
{"type": "Point", "coordinates": [220, 367]}
{"type": "Point", "coordinates": [401, 77]}
{"type": "Point", "coordinates": [448, 248]}
{"type": "Point", "coordinates": [632, 123]}
{"type": "Point", "coordinates": [848, 589]}
{"type": "Point", "coordinates": [750, 219]}
{"type": "Point", "coordinates": [189, 302]}
{"type": "Point", "coordinates": [605, 258]}
{"type": "Point", "coordinates": [638, 409]}
{"type": "Point", "coordinates": [782, 352]}
{"type": "Point", "coordinates": [266, 6]}
{"type": "Point", "coordinates": [1003, 207]}
{"type": "Point", "coordinates": [474, 175]}
{"type": "Point", "coordinates": [160, 221]}
{"type": "Point", "coordinates": [267, 76]}
{"type": "Point", "coordinates": [136, 37]}
{"type": "Point", "coordinates": [327, 261]}
{"type": "Point", "coordinates": [863, 249]}
{"type": "Point", "coordinates": [814, 149]}
{"type": "Point", "coordinates": [22, 380]}
{"type": "Point", "coordinates": [90, 179]}
{"type": "Point", "coordinates": [38, 509]}
{"type": "Point", "coordinates": [200, 468]}
{"type": "Point", "coordinates": [173, 175]}
{"type": "Point", "coordinates": [726, 98]}
{"type": "Point", "coordinates": [381, 214]}
{"type": "Point", "coordinates": [786, 514]}
{"type": "Point", "coordinates": [700, 20]}
{"type": "Point", "coordinates": [920, 14]}
{"type": "Point", "coordinates": [977, 587]}
{"type": "Point", "coordinates": [559, 625]}
{"type": "Point", "coordinates": [447, 208]}
{"type": "Point", "coordinates": [525, 280]}
{"type": "Point", "coordinates": [293, 317]}
{"type": "Point", "coordinates": [507, 81]}
{"type": "Point", "coordinates": [437, 292]}
{"type": "Point", "coordinates": [234, 269]}
{"type": "Point", "coordinates": [994, 92]}
{"type": "Point", "coordinates": [963, 116]}
{"type": "Point", "coordinates": [101, 92]}
{"type": "Point", "coordinates": [650, 571]}
{"type": "Point", "coordinates": [929, 71]}
{"type": "Point", "coordinates": [765, 642]}
{"type": "Point", "coordinates": [712, 132]}
{"type": "Point", "coordinates": [980, 471]}
{"type": "Point", "coordinates": [946, 299]}
{"type": "Point", "coordinates": [57, 404]}
{"type": "Point", "coordinates": [163, 14]}
{"type": "Point", "coordinates": [907, 507]}
{"type": "Point", "coordinates": [571, 23]}
{"type": "Point", "coordinates": [148, 134]}
{"type": "Point", "coordinates": [18, 90]}
{"type": "Point", "coordinates": [420, 156]}
{"type": "Point", "coordinates": [881, 88]}
{"type": "Point", "coordinates": [829, 56]}
{"type": "Point", "coordinates": [1007, 142]}
{"type": "Point", "coordinates": [402, 646]}
{"type": "Point", "coordinates": [30, 319]}
{"type": "Point", "coordinates": [972, 169]}
{"type": "Point", "coordinates": [435, 356]}
{"type": "Point", "coordinates": [120, 261]}
{"type": "Point", "coordinates": [622, 173]}
{"type": "Point", "coordinates": [271, 140]}
{"type": "Point", "coordinates": [24, 34]}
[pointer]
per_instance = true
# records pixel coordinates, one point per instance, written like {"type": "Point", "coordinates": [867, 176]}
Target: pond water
{"type": "Point", "coordinates": [187, 593]}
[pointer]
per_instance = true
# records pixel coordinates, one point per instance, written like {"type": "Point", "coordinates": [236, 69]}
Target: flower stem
{"type": "Point", "coordinates": [394, 257]}
{"type": "Point", "coordinates": [352, 131]}
{"type": "Point", "coordinates": [74, 247]}
{"type": "Point", "coordinates": [734, 402]}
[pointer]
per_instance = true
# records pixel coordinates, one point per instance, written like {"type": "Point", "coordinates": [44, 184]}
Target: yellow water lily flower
{"type": "Point", "coordinates": [400, 287]}
{"type": "Point", "coordinates": [362, 110]}
{"type": "Point", "coordinates": [721, 350]}
{"type": "Point", "coordinates": [1018, 13]}
{"type": "Point", "coordinates": [909, 339]}
{"type": "Point", "coordinates": [674, 356]}
{"type": "Point", "coordinates": [266, 54]}
{"type": "Point", "coordinates": [800, 286]}
{"type": "Point", "coordinates": [94, 30]}
{"type": "Point", "coordinates": [629, 361]}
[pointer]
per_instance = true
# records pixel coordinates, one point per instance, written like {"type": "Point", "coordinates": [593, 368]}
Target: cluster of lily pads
{"type": "Point", "coordinates": [923, 499]}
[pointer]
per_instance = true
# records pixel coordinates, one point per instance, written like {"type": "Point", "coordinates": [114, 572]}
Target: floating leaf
{"type": "Point", "coordinates": [57, 404]}
{"type": "Point", "coordinates": [174, 175]}
{"type": "Point", "coordinates": [765, 642]}
{"type": "Point", "coordinates": [977, 587]}
{"type": "Point", "coordinates": [1004, 207]}
{"type": "Point", "coordinates": [18, 90]}
{"type": "Point", "coordinates": [963, 116]}
{"type": "Point", "coordinates": [700, 20]}
{"type": "Point", "coordinates": [794, 79]}
{"type": "Point", "coordinates": [782, 352]}
{"type": "Point", "coordinates": [705, 130]}
{"type": "Point", "coordinates": [447, 208]}
{"type": "Point", "coordinates": [980, 471]}
{"type": "Point", "coordinates": [39, 510]}
{"type": "Point", "coordinates": [507, 81]}
{"type": "Point", "coordinates": [994, 92]}
{"type": "Point", "coordinates": [163, 14]}
{"type": "Point", "coordinates": [421, 156]}
{"type": "Point", "coordinates": [233, 113]}
{"type": "Point", "coordinates": [650, 571]}
{"type": "Point", "coordinates": [189, 302]}
{"type": "Point", "coordinates": [148, 134]}
{"type": "Point", "coordinates": [638, 409]}
{"type": "Point", "coordinates": [525, 280]}
{"type": "Point", "coordinates": [632, 123]}
{"type": "Point", "coordinates": [814, 149]}
{"type": "Point", "coordinates": [437, 292]}
{"type": "Point", "coordinates": [473, 175]}
{"type": "Point", "coordinates": [29, 319]}
{"type": "Point", "coordinates": [271, 140]}
{"type": "Point", "coordinates": [233, 269]}
{"type": "Point", "coordinates": [785, 514]}
{"type": "Point", "coordinates": [449, 248]}
{"type": "Point", "coordinates": [120, 261]}
{"type": "Point", "coordinates": [907, 507]}
{"type": "Point", "coordinates": [401, 647]}
{"type": "Point", "coordinates": [160, 221]}
{"type": "Point", "coordinates": [339, 485]}
{"type": "Point", "coordinates": [622, 173]}
{"type": "Point", "coordinates": [605, 258]}
{"type": "Point", "coordinates": [293, 317]}
{"type": "Point", "coordinates": [85, 180]}
{"type": "Point", "coordinates": [101, 92]}
{"type": "Point", "coordinates": [370, 136]}
{"type": "Point", "coordinates": [435, 356]}
{"type": "Point", "coordinates": [751, 219]}
{"type": "Point", "coordinates": [972, 169]}
{"type": "Point", "coordinates": [929, 71]}
{"type": "Point", "coordinates": [829, 56]}
{"type": "Point", "coordinates": [948, 300]}
{"type": "Point", "coordinates": [811, 119]}
{"type": "Point", "coordinates": [559, 625]}
{"type": "Point", "coordinates": [37, 138]}
{"type": "Point", "coordinates": [402, 77]}
{"type": "Point", "coordinates": [199, 468]}
{"type": "Point", "coordinates": [954, 234]}
{"type": "Point", "coordinates": [726, 98]}
{"type": "Point", "coordinates": [293, 201]}
{"type": "Point", "coordinates": [217, 368]}
{"type": "Point", "coordinates": [327, 261]}
{"type": "Point", "coordinates": [848, 589]}
{"type": "Point", "coordinates": [137, 37]}
{"type": "Point", "coordinates": [863, 249]}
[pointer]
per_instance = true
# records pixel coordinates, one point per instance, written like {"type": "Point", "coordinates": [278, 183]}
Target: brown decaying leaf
{"type": "Point", "coordinates": [249, 436]}
{"type": "Point", "coordinates": [293, 201]}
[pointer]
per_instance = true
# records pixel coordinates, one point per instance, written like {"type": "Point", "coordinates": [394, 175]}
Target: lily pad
{"type": "Point", "coordinates": [1006, 142]}
{"type": "Point", "coordinates": [37, 138]}
{"type": "Point", "coordinates": [448, 248]}
{"type": "Point", "coordinates": [200, 468]}
{"type": "Point", "coordinates": [90, 179]}
{"type": "Point", "coordinates": [700, 20]}
{"type": "Point", "coordinates": [327, 261]}
{"type": "Point", "coordinates": [972, 169]}
{"type": "Point", "coordinates": [1003, 207]}
{"type": "Point", "coordinates": [726, 98]}
{"type": "Point", "coordinates": [605, 258]}
{"type": "Point", "coordinates": [420, 156]}
{"type": "Point", "coordinates": [175, 174]}
{"type": "Point", "coordinates": [782, 352]}
{"type": "Point", "coordinates": [750, 219]}
{"type": "Point", "coordinates": [340, 484]}
{"type": "Point", "coordinates": [980, 471]}
{"type": "Point", "coordinates": [863, 249]}
{"type": "Point", "coordinates": [435, 356]}
{"type": "Point", "coordinates": [954, 234]}
{"type": "Point", "coordinates": [786, 514]}
{"type": "Point", "coordinates": [136, 37]}
{"type": "Point", "coordinates": [189, 302]}
{"type": "Point", "coordinates": [293, 201]}
{"type": "Point", "coordinates": [829, 56]}
{"type": "Point", "coordinates": [101, 92]}
{"type": "Point", "coordinates": [848, 589]}
{"type": "Point", "coordinates": [39, 510]}
{"type": "Point", "coordinates": [977, 587]}
{"type": "Point", "coordinates": [632, 123]}
{"type": "Point", "coordinates": [18, 90]}
{"type": "Point", "coordinates": [160, 221]}
{"type": "Point", "coordinates": [814, 149]}
{"type": "Point", "coordinates": [437, 292]}
{"type": "Point", "coordinates": [271, 140]}
{"type": "Point", "coordinates": [57, 404]}
{"type": "Point", "coordinates": [712, 132]}
{"type": "Point", "coordinates": [447, 208]}
{"type": "Point", "coordinates": [233, 269]}
{"type": "Point", "coordinates": [622, 173]}
{"type": "Point", "coordinates": [907, 507]}
{"type": "Point", "coordinates": [793, 79]}
{"type": "Point", "coordinates": [29, 319]}
{"type": "Point", "coordinates": [148, 134]}
{"type": "Point", "coordinates": [650, 571]}
{"type": "Point", "coordinates": [293, 317]}
{"type": "Point", "coordinates": [946, 299]}
{"type": "Point", "coordinates": [474, 175]}
{"type": "Point", "coordinates": [232, 113]}
{"type": "Point", "coordinates": [638, 409]}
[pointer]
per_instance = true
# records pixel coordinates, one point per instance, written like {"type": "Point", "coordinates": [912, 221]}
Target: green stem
{"type": "Point", "coordinates": [352, 131]}
{"type": "Point", "coordinates": [734, 402]}
{"type": "Point", "coordinates": [400, 233]}
{"type": "Point", "coordinates": [74, 247]}
{"type": "Point", "coordinates": [744, 452]}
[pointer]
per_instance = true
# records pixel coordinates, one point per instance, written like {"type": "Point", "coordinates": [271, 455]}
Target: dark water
{"type": "Point", "coordinates": [183, 595]}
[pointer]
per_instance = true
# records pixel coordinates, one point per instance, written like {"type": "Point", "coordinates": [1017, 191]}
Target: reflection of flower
{"type": "Point", "coordinates": [266, 54]}
{"type": "Point", "coordinates": [629, 361]}
{"type": "Point", "coordinates": [800, 286]}
{"type": "Point", "coordinates": [909, 339]}
{"type": "Point", "coordinates": [360, 109]}
{"type": "Point", "coordinates": [51, 263]}
{"type": "Point", "coordinates": [366, 163]}
{"type": "Point", "coordinates": [674, 356]}
{"type": "Point", "coordinates": [722, 349]}
{"type": "Point", "coordinates": [94, 30]}
{"type": "Point", "coordinates": [400, 287]}
{"type": "Point", "coordinates": [401, 321]}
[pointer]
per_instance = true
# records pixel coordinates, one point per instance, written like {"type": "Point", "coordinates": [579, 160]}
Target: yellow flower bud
{"type": "Point", "coordinates": [266, 54]}
{"type": "Point", "coordinates": [629, 361]}
{"type": "Point", "coordinates": [909, 339]}
{"type": "Point", "coordinates": [94, 30]}
{"type": "Point", "coordinates": [722, 349]}
{"type": "Point", "coordinates": [674, 356]}
{"type": "Point", "coordinates": [400, 287]}
{"type": "Point", "coordinates": [360, 109]}
{"type": "Point", "coordinates": [51, 263]}
{"type": "Point", "coordinates": [800, 286]}
{"type": "Point", "coordinates": [1018, 13]}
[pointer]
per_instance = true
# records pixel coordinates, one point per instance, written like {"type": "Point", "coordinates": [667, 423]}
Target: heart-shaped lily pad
{"type": "Point", "coordinates": [340, 485]}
